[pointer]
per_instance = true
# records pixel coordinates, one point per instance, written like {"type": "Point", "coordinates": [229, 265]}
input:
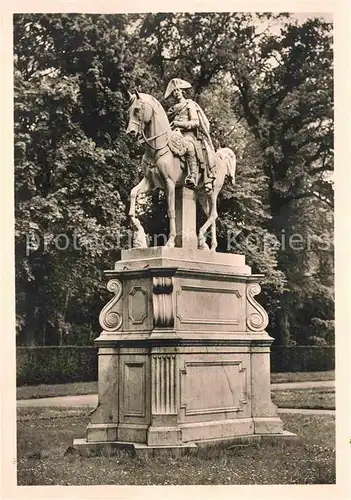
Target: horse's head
{"type": "Point", "coordinates": [139, 114]}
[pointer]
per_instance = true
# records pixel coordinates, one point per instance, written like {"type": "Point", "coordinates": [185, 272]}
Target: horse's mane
{"type": "Point", "coordinates": [156, 105]}
{"type": "Point", "coordinates": [159, 109]}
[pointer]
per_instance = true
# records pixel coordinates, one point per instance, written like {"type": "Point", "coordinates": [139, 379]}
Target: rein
{"type": "Point", "coordinates": [147, 139]}
{"type": "Point", "coordinates": [155, 137]}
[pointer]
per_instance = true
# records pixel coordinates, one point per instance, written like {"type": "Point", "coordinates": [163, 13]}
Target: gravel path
{"type": "Point", "coordinates": [303, 385]}
{"type": "Point", "coordinates": [60, 402]}
{"type": "Point", "coordinates": [306, 411]}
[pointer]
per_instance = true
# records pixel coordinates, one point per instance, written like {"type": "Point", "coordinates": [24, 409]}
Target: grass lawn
{"type": "Point", "coordinates": [316, 398]}
{"type": "Point", "coordinates": [77, 388]}
{"type": "Point", "coordinates": [50, 391]}
{"type": "Point", "coordinates": [45, 434]}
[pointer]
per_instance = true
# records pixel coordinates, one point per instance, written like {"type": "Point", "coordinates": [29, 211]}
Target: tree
{"type": "Point", "coordinates": [281, 85]}
{"type": "Point", "coordinates": [290, 111]}
{"type": "Point", "coordinates": [72, 165]}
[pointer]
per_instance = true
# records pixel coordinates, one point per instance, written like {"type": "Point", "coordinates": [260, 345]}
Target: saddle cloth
{"type": "Point", "coordinates": [177, 144]}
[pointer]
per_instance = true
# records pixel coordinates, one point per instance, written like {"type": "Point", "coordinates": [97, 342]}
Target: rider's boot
{"type": "Point", "coordinates": [191, 178]}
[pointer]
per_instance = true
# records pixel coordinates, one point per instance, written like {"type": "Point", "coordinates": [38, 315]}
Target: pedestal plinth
{"type": "Point", "coordinates": [184, 356]}
{"type": "Point", "coordinates": [185, 207]}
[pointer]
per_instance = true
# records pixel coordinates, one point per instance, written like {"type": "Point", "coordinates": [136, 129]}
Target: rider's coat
{"type": "Point", "coordinates": [194, 126]}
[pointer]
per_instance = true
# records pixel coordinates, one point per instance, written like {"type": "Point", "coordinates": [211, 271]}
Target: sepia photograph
{"type": "Point", "coordinates": [174, 248]}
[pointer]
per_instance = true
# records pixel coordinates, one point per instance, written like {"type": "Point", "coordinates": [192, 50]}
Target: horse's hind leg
{"type": "Point", "coordinates": [214, 242]}
{"type": "Point", "coordinates": [139, 237]}
{"type": "Point", "coordinates": [213, 217]}
{"type": "Point", "coordinates": [211, 221]}
{"type": "Point", "coordinates": [203, 200]}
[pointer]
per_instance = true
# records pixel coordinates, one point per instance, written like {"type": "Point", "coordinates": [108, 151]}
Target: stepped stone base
{"type": "Point", "coordinates": [86, 449]}
{"type": "Point", "coordinates": [164, 257]}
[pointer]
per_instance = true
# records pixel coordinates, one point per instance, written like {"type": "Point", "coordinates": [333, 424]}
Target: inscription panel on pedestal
{"type": "Point", "coordinates": [138, 305]}
{"type": "Point", "coordinates": [134, 390]}
{"type": "Point", "coordinates": [212, 306]}
{"type": "Point", "coordinates": [214, 389]}
{"type": "Point", "coordinates": [138, 302]}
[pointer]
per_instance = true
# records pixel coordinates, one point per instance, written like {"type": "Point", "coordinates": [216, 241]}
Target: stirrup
{"type": "Point", "coordinates": [190, 181]}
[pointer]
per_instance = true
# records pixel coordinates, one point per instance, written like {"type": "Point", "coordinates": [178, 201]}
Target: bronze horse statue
{"type": "Point", "coordinates": [148, 121]}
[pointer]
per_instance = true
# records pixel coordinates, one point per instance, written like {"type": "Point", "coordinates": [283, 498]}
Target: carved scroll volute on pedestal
{"type": "Point", "coordinates": [162, 298]}
{"type": "Point", "coordinates": [111, 315]}
{"type": "Point", "coordinates": [257, 318]}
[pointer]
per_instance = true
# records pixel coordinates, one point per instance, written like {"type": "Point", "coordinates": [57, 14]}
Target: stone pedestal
{"type": "Point", "coordinates": [185, 207]}
{"type": "Point", "coordinates": [183, 354]}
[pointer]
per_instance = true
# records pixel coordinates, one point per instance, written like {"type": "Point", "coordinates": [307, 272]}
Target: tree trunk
{"type": "Point", "coordinates": [283, 327]}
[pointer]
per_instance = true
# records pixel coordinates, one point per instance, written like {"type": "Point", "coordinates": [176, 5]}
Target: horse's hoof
{"type": "Point", "coordinates": [170, 244]}
{"type": "Point", "coordinates": [203, 246]}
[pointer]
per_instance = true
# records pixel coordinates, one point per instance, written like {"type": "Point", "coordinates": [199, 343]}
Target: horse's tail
{"type": "Point", "coordinates": [228, 158]}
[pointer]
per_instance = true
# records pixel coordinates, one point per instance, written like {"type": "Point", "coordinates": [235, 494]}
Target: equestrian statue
{"type": "Point", "coordinates": [178, 153]}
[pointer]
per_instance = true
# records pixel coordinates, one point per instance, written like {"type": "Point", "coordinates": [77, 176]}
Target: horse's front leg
{"type": "Point", "coordinates": [170, 190]}
{"type": "Point", "coordinates": [139, 236]}
{"type": "Point", "coordinates": [142, 187]}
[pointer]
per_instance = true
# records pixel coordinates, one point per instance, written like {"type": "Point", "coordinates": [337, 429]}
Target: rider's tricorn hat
{"type": "Point", "coordinates": [176, 83]}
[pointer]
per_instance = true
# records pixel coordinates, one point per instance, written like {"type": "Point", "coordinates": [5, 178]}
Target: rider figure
{"type": "Point", "coordinates": [184, 115]}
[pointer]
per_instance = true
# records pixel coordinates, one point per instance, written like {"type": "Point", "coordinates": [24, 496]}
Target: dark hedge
{"type": "Point", "coordinates": [55, 365]}
{"type": "Point", "coordinates": [302, 358]}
